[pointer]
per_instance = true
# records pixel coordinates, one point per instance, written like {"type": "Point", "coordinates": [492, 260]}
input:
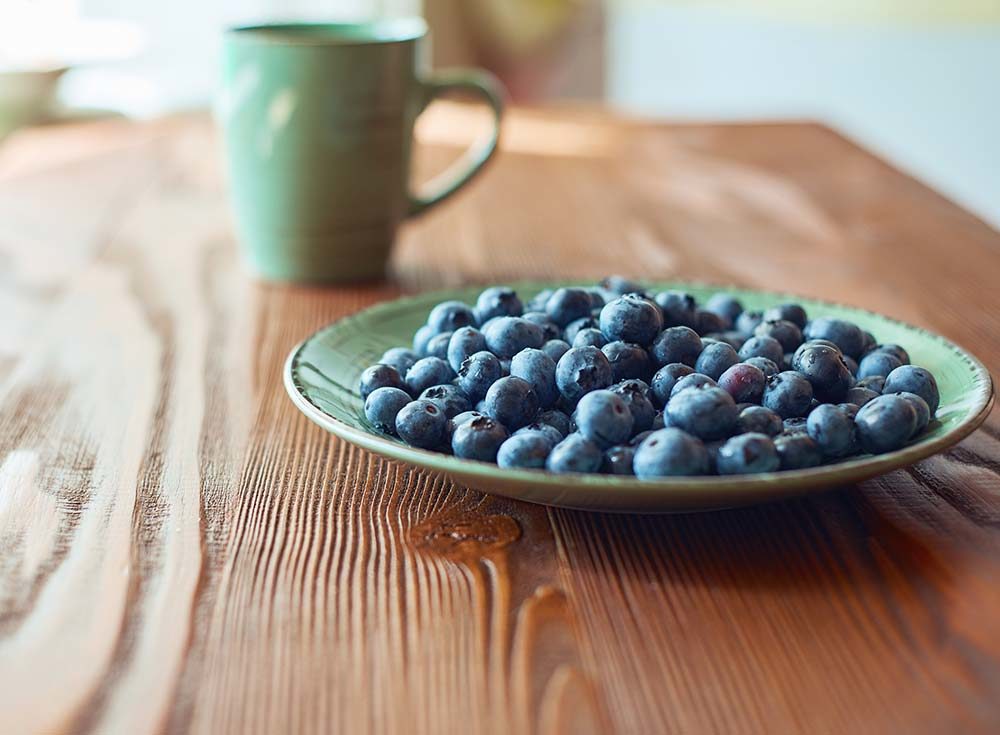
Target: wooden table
{"type": "Point", "coordinates": [180, 550]}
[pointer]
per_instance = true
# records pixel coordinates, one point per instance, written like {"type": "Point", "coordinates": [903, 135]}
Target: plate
{"type": "Point", "coordinates": [321, 376]}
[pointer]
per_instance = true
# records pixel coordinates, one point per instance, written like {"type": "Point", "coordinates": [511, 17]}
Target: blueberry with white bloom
{"type": "Point", "coordinates": [511, 401]}
{"type": "Point", "coordinates": [550, 330]}
{"type": "Point", "coordinates": [877, 362]}
{"type": "Point", "coordinates": [679, 309]}
{"type": "Point", "coordinates": [759, 420]}
{"type": "Point", "coordinates": [628, 361]}
{"type": "Point", "coordinates": [788, 394]}
{"type": "Point", "coordinates": [567, 305]}
{"type": "Point", "coordinates": [846, 335]}
{"type": "Point", "coordinates": [427, 372]}
{"type": "Point", "coordinates": [603, 417]}
{"type": "Point", "coordinates": [556, 348]}
{"type": "Point", "coordinates": [477, 373]}
{"type": "Point", "coordinates": [707, 412]}
{"type": "Point", "coordinates": [725, 305]}
{"type": "Point", "coordinates": [676, 344]}
{"type": "Point", "coordinates": [421, 424]}
{"type": "Point", "coordinates": [400, 358]}
{"type": "Point", "coordinates": [582, 370]}
{"type": "Point", "coordinates": [538, 369]}
{"type": "Point", "coordinates": [508, 335]}
{"type": "Point", "coordinates": [464, 342]}
{"type": "Point", "coordinates": [787, 333]}
{"type": "Point", "coordinates": [575, 453]}
{"type": "Point", "coordinates": [479, 438]}
{"type": "Point", "coordinates": [694, 380]}
{"type": "Point", "coordinates": [498, 301]}
{"type": "Point", "coordinates": [715, 359]}
{"type": "Point", "coordinates": [789, 312]}
{"type": "Point", "coordinates": [379, 376]}
{"type": "Point", "coordinates": [450, 315]}
{"type": "Point", "coordinates": [913, 379]}
{"type": "Point", "coordinates": [668, 453]}
{"type": "Point", "coordinates": [797, 451]}
{"type": "Point", "coordinates": [832, 428]}
{"type": "Point", "coordinates": [747, 454]}
{"type": "Point", "coordinates": [525, 451]}
{"type": "Point", "coordinates": [383, 405]}
{"type": "Point", "coordinates": [448, 398]}
{"type": "Point", "coordinates": [886, 423]}
{"type": "Point", "coordinates": [762, 346]}
{"type": "Point", "coordinates": [631, 318]}
{"type": "Point", "coordinates": [638, 396]}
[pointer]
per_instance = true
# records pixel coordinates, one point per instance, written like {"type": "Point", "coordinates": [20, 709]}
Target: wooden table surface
{"type": "Point", "coordinates": [181, 550]}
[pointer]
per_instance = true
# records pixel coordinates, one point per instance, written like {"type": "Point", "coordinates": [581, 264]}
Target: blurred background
{"type": "Point", "coordinates": [918, 81]}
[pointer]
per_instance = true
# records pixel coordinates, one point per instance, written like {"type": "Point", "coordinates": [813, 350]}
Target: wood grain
{"type": "Point", "coordinates": [181, 551]}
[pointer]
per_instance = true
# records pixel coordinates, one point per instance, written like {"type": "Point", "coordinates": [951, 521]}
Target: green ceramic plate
{"type": "Point", "coordinates": [321, 377]}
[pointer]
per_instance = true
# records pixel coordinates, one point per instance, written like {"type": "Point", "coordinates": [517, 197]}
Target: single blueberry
{"type": "Point", "coordinates": [707, 413]}
{"type": "Point", "coordinates": [787, 333]}
{"type": "Point", "coordinates": [679, 308]}
{"type": "Point", "coordinates": [379, 376]}
{"type": "Point", "coordinates": [450, 315]}
{"type": "Point", "coordinates": [676, 344]}
{"type": "Point", "coordinates": [877, 362]}
{"type": "Point", "coordinates": [479, 439]}
{"type": "Point", "coordinates": [708, 322]}
{"type": "Point", "coordinates": [556, 419]}
{"type": "Point", "coordinates": [833, 430]}
{"type": "Point", "coordinates": [437, 346]}
{"type": "Point", "coordinates": [575, 453]}
{"type": "Point", "coordinates": [464, 342]}
{"type": "Point", "coordinates": [767, 347]}
{"type": "Point", "coordinates": [539, 300]}
{"type": "Point", "coordinates": [631, 318]}
{"type": "Point", "coordinates": [766, 366]}
{"type": "Point", "coordinates": [555, 348]}
{"type": "Point", "coordinates": [886, 423]}
{"type": "Point", "coordinates": [421, 424]}
{"type": "Point", "coordinates": [575, 327]}
{"type": "Point", "coordinates": [637, 395]}
{"type": "Point", "coordinates": [664, 379]}
{"type": "Point", "coordinates": [508, 335]}
{"type": "Point", "coordinates": [896, 351]}
{"type": "Point", "coordinates": [547, 429]}
{"type": "Point", "coordinates": [694, 380]}
{"type": "Point", "coordinates": [715, 359]}
{"type": "Point", "coordinates": [427, 372]}
{"type": "Point", "coordinates": [797, 451]}
{"type": "Point", "coordinates": [498, 301]}
{"type": "Point", "coordinates": [466, 416]}
{"type": "Point", "coordinates": [859, 396]}
{"type": "Point", "coordinates": [477, 373]}
{"type": "Point", "coordinates": [747, 322]}
{"type": "Point", "coordinates": [511, 401]}
{"type": "Point", "coordinates": [449, 398]}
{"type": "Point", "coordinates": [604, 417]}
{"type": "Point", "coordinates": [788, 312]}
{"type": "Point", "coordinates": [400, 358]}
{"type": "Point", "coordinates": [788, 394]}
{"type": "Point", "coordinates": [539, 370]}
{"type": "Point", "coordinates": [670, 452]}
{"type": "Point", "coordinates": [846, 335]}
{"type": "Point", "coordinates": [872, 382]}
{"type": "Point", "coordinates": [581, 370]}
{"type": "Point", "coordinates": [747, 454]}
{"type": "Point", "coordinates": [525, 451]}
{"type": "Point", "coordinates": [744, 382]}
{"type": "Point", "coordinates": [922, 410]}
{"type": "Point", "coordinates": [825, 370]}
{"type": "Point", "coordinates": [725, 305]}
{"type": "Point", "coordinates": [567, 305]}
{"type": "Point", "coordinates": [913, 379]}
{"type": "Point", "coordinates": [618, 460]}
{"type": "Point", "coordinates": [589, 338]}
{"type": "Point", "coordinates": [550, 330]}
{"type": "Point", "coordinates": [759, 420]}
{"type": "Point", "coordinates": [732, 338]}
{"type": "Point", "coordinates": [628, 361]}
{"type": "Point", "coordinates": [382, 406]}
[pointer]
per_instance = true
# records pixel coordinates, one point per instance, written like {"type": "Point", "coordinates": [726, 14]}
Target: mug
{"type": "Point", "coordinates": [318, 124]}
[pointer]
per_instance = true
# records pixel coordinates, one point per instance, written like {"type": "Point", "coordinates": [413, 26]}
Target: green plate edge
{"type": "Point", "coordinates": [329, 399]}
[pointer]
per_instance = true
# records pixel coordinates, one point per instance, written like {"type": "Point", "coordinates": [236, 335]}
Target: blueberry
{"type": "Point", "coordinates": [539, 370]}
{"type": "Point", "coordinates": [555, 348]}
{"type": "Point", "coordinates": [744, 382]}
{"type": "Point", "coordinates": [380, 376]}
{"type": "Point", "coordinates": [896, 351]}
{"type": "Point", "coordinates": [547, 429]}
{"type": "Point", "coordinates": [508, 335]}
{"type": "Point", "coordinates": [464, 342]}
{"type": "Point", "coordinates": [846, 335]}
{"type": "Point", "coordinates": [886, 423]}
{"type": "Point", "coordinates": [676, 344]}
{"type": "Point", "coordinates": [539, 300]}
{"type": "Point", "coordinates": [448, 398]}
{"type": "Point", "coordinates": [670, 452]}
{"type": "Point", "coordinates": [575, 453]}
{"type": "Point", "coordinates": [760, 420]}
{"type": "Point", "coordinates": [525, 451]}
{"type": "Point", "coordinates": [795, 425]}
{"type": "Point", "coordinates": [589, 338]}
{"type": "Point", "coordinates": [573, 328]}
{"type": "Point", "coordinates": [789, 312]}
{"type": "Point", "coordinates": [550, 330]}
{"type": "Point", "coordinates": [679, 308]}
{"type": "Point", "coordinates": [382, 405]}
{"type": "Point", "coordinates": [767, 347]}
{"type": "Point", "coordinates": [556, 419]}
{"type": "Point", "coordinates": [498, 301]}
{"type": "Point", "coordinates": [604, 418]}
{"type": "Point", "coordinates": [747, 322]}
{"type": "Point", "coordinates": [747, 454]}
{"type": "Point", "coordinates": [922, 410]}
{"type": "Point", "coordinates": [427, 372]}
{"type": "Point", "coordinates": [725, 305]}
{"type": "Point", "coordinates": [789, 336]}
{"type": "Point", "coordinates": [511, 401]}
{"type": "Point", "coordinates": [421, 424]}
{"type": "Point", "coordinates": [877, 362]}
{"type": "Point", "coordinates": [479, 439]}
{"type": "Point", "coordinates": [788, 394]}
{"type": "Point", "coordinates": [631, 318]}
{"type": "Point", "coordinates": [466, 416]}
{"type": "Point", "coordinates": [832, 429]}
{"type": "Point", "coordinates": [449, 316]}
{"type": "Point", "coordinates": [620, 285]}
{"type": "Point", "coordinates": [715, 359]}
{"type": "Point", "coordinates": [707, 322]}
{"type": "Point", "coordinates": [694, 380]}
{"type": "Point", "coordinates": [664, 379]}
{"type": "Point", "coordinates": [707, 413]}
{"type": "Point", "coordinates": [637, 395]}
{"type": "Point", "coordinates": [627, 361]}
{"type": "Point", "coordinates": [859, 396]}
{"type": "Point", "coordinates": [567, 305]}
{"type": "Point", "coordinates": [581, 370]}
{"type": "Point", "coordinates": [400, 358]}
{"type": "Point", "coordinates": [825, 370]}
{"type": "Point", "coordinates": [797, 451]}
{"type": "Point", "coordinates": [618, 460]}
{"type": "Point", "coordinates": [477, 373]}
{"type": "Point", "coordinates": [437, 346]}
{"type": "Point", "coordinates": [420, 340]}
{"type": "Point", "coordinates": [912, 379]}
{"type": "Point", "coordinates": [872, 382]}
{"type": "Point", "coordinates": [768, 367]}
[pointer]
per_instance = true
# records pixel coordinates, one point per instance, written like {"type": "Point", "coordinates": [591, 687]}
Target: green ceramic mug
{"type": "Point", "coordinates": [318, 122]}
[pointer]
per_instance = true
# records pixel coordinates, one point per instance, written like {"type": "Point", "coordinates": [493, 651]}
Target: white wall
{"type": "Point", "coordinates": [927, 98]}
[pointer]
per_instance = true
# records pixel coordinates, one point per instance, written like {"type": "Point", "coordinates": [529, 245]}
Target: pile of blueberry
{"type": "Point", "coordinates": [614, 379]}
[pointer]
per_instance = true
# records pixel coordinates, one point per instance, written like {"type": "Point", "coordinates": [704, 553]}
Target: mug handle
{"type": "Point", "coordinates": [484, 85]}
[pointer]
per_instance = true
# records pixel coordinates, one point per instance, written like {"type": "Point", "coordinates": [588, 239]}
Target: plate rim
{"type": "Point", "coordinates": [781, 482]}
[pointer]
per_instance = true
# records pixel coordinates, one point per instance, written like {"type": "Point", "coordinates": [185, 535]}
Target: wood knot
{"type": "Point", "coordinates": [469, 537]}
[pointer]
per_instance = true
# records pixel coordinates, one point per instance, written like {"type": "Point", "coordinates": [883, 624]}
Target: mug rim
{"type": "Point", "coordinates": [359, 33]}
